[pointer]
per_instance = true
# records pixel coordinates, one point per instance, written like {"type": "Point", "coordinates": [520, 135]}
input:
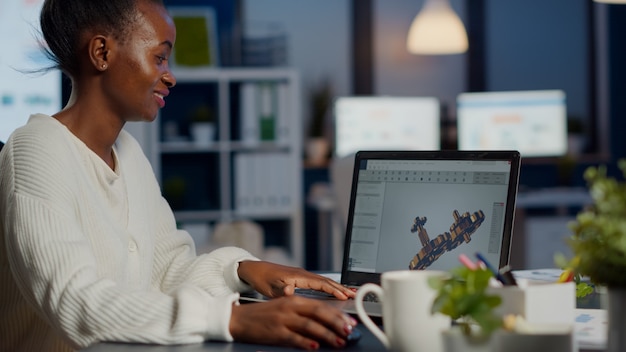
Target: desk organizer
{"type": "Point", "coordinates": [539, 302]}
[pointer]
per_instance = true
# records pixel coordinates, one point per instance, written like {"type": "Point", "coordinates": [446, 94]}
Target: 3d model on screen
{"type": "Point", "coordinates": [460, 231]}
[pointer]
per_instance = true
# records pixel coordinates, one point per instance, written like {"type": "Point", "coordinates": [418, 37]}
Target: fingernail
{"type": "Point", "coordinates": [314, 345]}
{"type": "Point", "coordinates": [350, 320]}
{"type": "Point", "coordinates": [347, 329]}
{"type": "Point", "coordinates": [341, 342]}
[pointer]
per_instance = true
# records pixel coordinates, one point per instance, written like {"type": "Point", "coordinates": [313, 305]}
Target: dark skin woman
{"type": "Point", "coordinates": [116, 55]}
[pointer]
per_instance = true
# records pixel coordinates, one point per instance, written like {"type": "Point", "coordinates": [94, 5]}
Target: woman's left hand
{"type": "Point", "coordinates": [275, 280]}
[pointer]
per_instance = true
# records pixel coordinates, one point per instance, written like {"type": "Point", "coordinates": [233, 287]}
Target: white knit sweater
{"type": "Point", "coordinates": [89, 254]}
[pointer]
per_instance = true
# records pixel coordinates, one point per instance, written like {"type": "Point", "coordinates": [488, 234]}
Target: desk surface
{"type": "Point", "coordinates": [368, 342]}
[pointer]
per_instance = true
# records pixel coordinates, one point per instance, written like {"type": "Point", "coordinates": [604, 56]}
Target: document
{"type": "Point", "coordinates": [591, 328]}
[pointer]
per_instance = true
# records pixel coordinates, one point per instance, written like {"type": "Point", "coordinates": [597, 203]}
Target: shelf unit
{"type": "Point", "coordinates": [209, 171]}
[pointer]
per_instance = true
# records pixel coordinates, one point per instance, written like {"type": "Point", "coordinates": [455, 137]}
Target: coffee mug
{"type": "Point", "coordinates": [406, 300]}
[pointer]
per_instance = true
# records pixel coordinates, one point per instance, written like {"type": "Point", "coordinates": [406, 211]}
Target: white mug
{"type": "Point", "coordinates": [406, 300]}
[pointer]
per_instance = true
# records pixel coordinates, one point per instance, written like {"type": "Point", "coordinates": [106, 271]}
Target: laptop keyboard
{"type": "Point", "coordinates": [370, 297]}
{"type": "Point", "coordinates": [313, 293]}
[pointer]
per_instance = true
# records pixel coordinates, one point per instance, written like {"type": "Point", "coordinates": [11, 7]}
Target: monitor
{"type": "Point", "coordinates": [23, 93]}
{"type": "Point", "coordinates": [532, 122]}
{"type": "Point", "coordinates": [386, 123]}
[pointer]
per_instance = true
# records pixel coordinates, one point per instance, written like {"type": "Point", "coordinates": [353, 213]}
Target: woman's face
{"type": "Point", "coordinates": [139, 79]}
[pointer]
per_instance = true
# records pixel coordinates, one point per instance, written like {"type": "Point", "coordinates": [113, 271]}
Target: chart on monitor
{"type": "Point", "coordinates": [532, 122]}
{"type": "Point", "coordinates": [386, 123]}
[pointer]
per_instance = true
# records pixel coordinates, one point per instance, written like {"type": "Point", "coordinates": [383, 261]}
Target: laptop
{"type": "Point", "coordinates": [419, 210]}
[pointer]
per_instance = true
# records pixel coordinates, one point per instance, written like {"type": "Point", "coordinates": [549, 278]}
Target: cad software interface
{"type": "Point", "coordinates": [423, 214]}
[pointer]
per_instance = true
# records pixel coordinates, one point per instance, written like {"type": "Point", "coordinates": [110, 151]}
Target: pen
{"type": "Point", "coordinates": [467, 262]}
{"type": "Point", "coordinates": [566, 276]}
{"type": "Point", "coordinates": [495, 272]}
{"type": "Point", "coordinates": [507, 274]}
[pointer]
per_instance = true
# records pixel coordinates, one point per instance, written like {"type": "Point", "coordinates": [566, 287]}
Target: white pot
{"type": "Point", "coordinates": [203, 133]}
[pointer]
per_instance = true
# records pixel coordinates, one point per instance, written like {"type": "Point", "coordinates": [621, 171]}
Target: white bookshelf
{"type": "Point", "coordinates": [223, 88]}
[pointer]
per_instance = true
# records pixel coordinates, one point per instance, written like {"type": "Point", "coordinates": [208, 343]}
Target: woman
{"type": "Point", "coordinates": [89, 250]}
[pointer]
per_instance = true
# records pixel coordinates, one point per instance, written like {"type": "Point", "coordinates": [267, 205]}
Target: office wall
{"type": "Point", "coordinates": [528, 48]}
{"type": "Point", "coordinates": [398, 72]}
{"type": "Point", "coordinates": [318, 38]}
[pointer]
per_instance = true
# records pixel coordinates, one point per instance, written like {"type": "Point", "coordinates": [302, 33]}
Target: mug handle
{"type": "Point", "coordinates": [365, 319]}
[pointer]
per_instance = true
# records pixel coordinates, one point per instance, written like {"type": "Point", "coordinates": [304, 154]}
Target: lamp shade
{"type": "Point", "coordinates": [437, 30]}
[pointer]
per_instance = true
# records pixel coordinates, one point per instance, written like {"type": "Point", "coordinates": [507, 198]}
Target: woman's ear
{"type": "Point", "coordinates": [99, 52]}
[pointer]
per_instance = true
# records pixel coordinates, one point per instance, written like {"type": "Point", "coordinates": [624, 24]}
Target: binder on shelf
{"type": "Point", "coordinates": [259, 182]}
{"type": "Point", "coordinates": [242, 185]}
{"type": "Point", "coordinates": [262, 184]}
{"type": "Point", "coordinates": [273, 175]}
{"type": "Point", "coordinates": [283, 114]}
{"type": "Point", "coordinates": [249, 114]}
{"type": "Point", "coordinates": [286, 203]}
{"type": "Point", "coordinates": [267, 111]}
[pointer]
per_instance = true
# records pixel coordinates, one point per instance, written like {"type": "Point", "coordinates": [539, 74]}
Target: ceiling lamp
{"type": "Point", "coordinates": [437, 30]}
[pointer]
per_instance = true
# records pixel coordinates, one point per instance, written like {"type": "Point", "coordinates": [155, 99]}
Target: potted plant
{"type": "Point", "coordinates": [202, 125]}
{"type": "Point", "coordinates": [599, 245]}
{"type": "Point", "coordinates": [464, 297]}
{"type": "Point", "coordinates": [320, 100]}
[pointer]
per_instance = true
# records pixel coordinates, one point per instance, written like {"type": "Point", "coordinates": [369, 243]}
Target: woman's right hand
{"type": "Point", "coordinates": [291, 321]}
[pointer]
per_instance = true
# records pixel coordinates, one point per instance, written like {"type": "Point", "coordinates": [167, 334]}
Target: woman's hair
{"type": "Point", "coordinates": [63, 22]}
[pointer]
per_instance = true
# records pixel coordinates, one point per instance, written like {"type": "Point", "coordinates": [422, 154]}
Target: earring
{"type": "Point", "coordinates": [104, 66]}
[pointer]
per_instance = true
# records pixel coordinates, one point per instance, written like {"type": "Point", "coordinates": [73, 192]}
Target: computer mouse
{"type": "Point", "coordinates": [353, 338]}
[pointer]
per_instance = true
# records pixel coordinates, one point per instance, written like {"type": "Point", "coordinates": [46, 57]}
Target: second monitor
{"type": "Point", "coordinates": [532, 122]}
{"type": "Point", "coordinates": [386, 123]}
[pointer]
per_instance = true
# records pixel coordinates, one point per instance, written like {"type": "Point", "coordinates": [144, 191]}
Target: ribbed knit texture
{"type": "Point", "coordinates": [89, 254]}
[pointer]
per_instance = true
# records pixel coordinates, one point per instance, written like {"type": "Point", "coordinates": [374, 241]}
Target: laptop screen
{"type": "Point", "coordinates": [420, 210]}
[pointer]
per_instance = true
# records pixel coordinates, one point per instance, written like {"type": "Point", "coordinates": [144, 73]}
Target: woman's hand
{"type": "Point", "coordinates": [274, 280]}
{"type": "Point", "coordinates": [291, 321]}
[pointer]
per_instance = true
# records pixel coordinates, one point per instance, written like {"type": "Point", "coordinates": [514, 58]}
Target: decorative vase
{"type": "Point", "coordinates": [616, 341]}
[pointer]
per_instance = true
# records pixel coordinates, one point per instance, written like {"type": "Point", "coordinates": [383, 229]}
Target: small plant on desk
{"type": "Point", "coordinates": [463, 297]}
